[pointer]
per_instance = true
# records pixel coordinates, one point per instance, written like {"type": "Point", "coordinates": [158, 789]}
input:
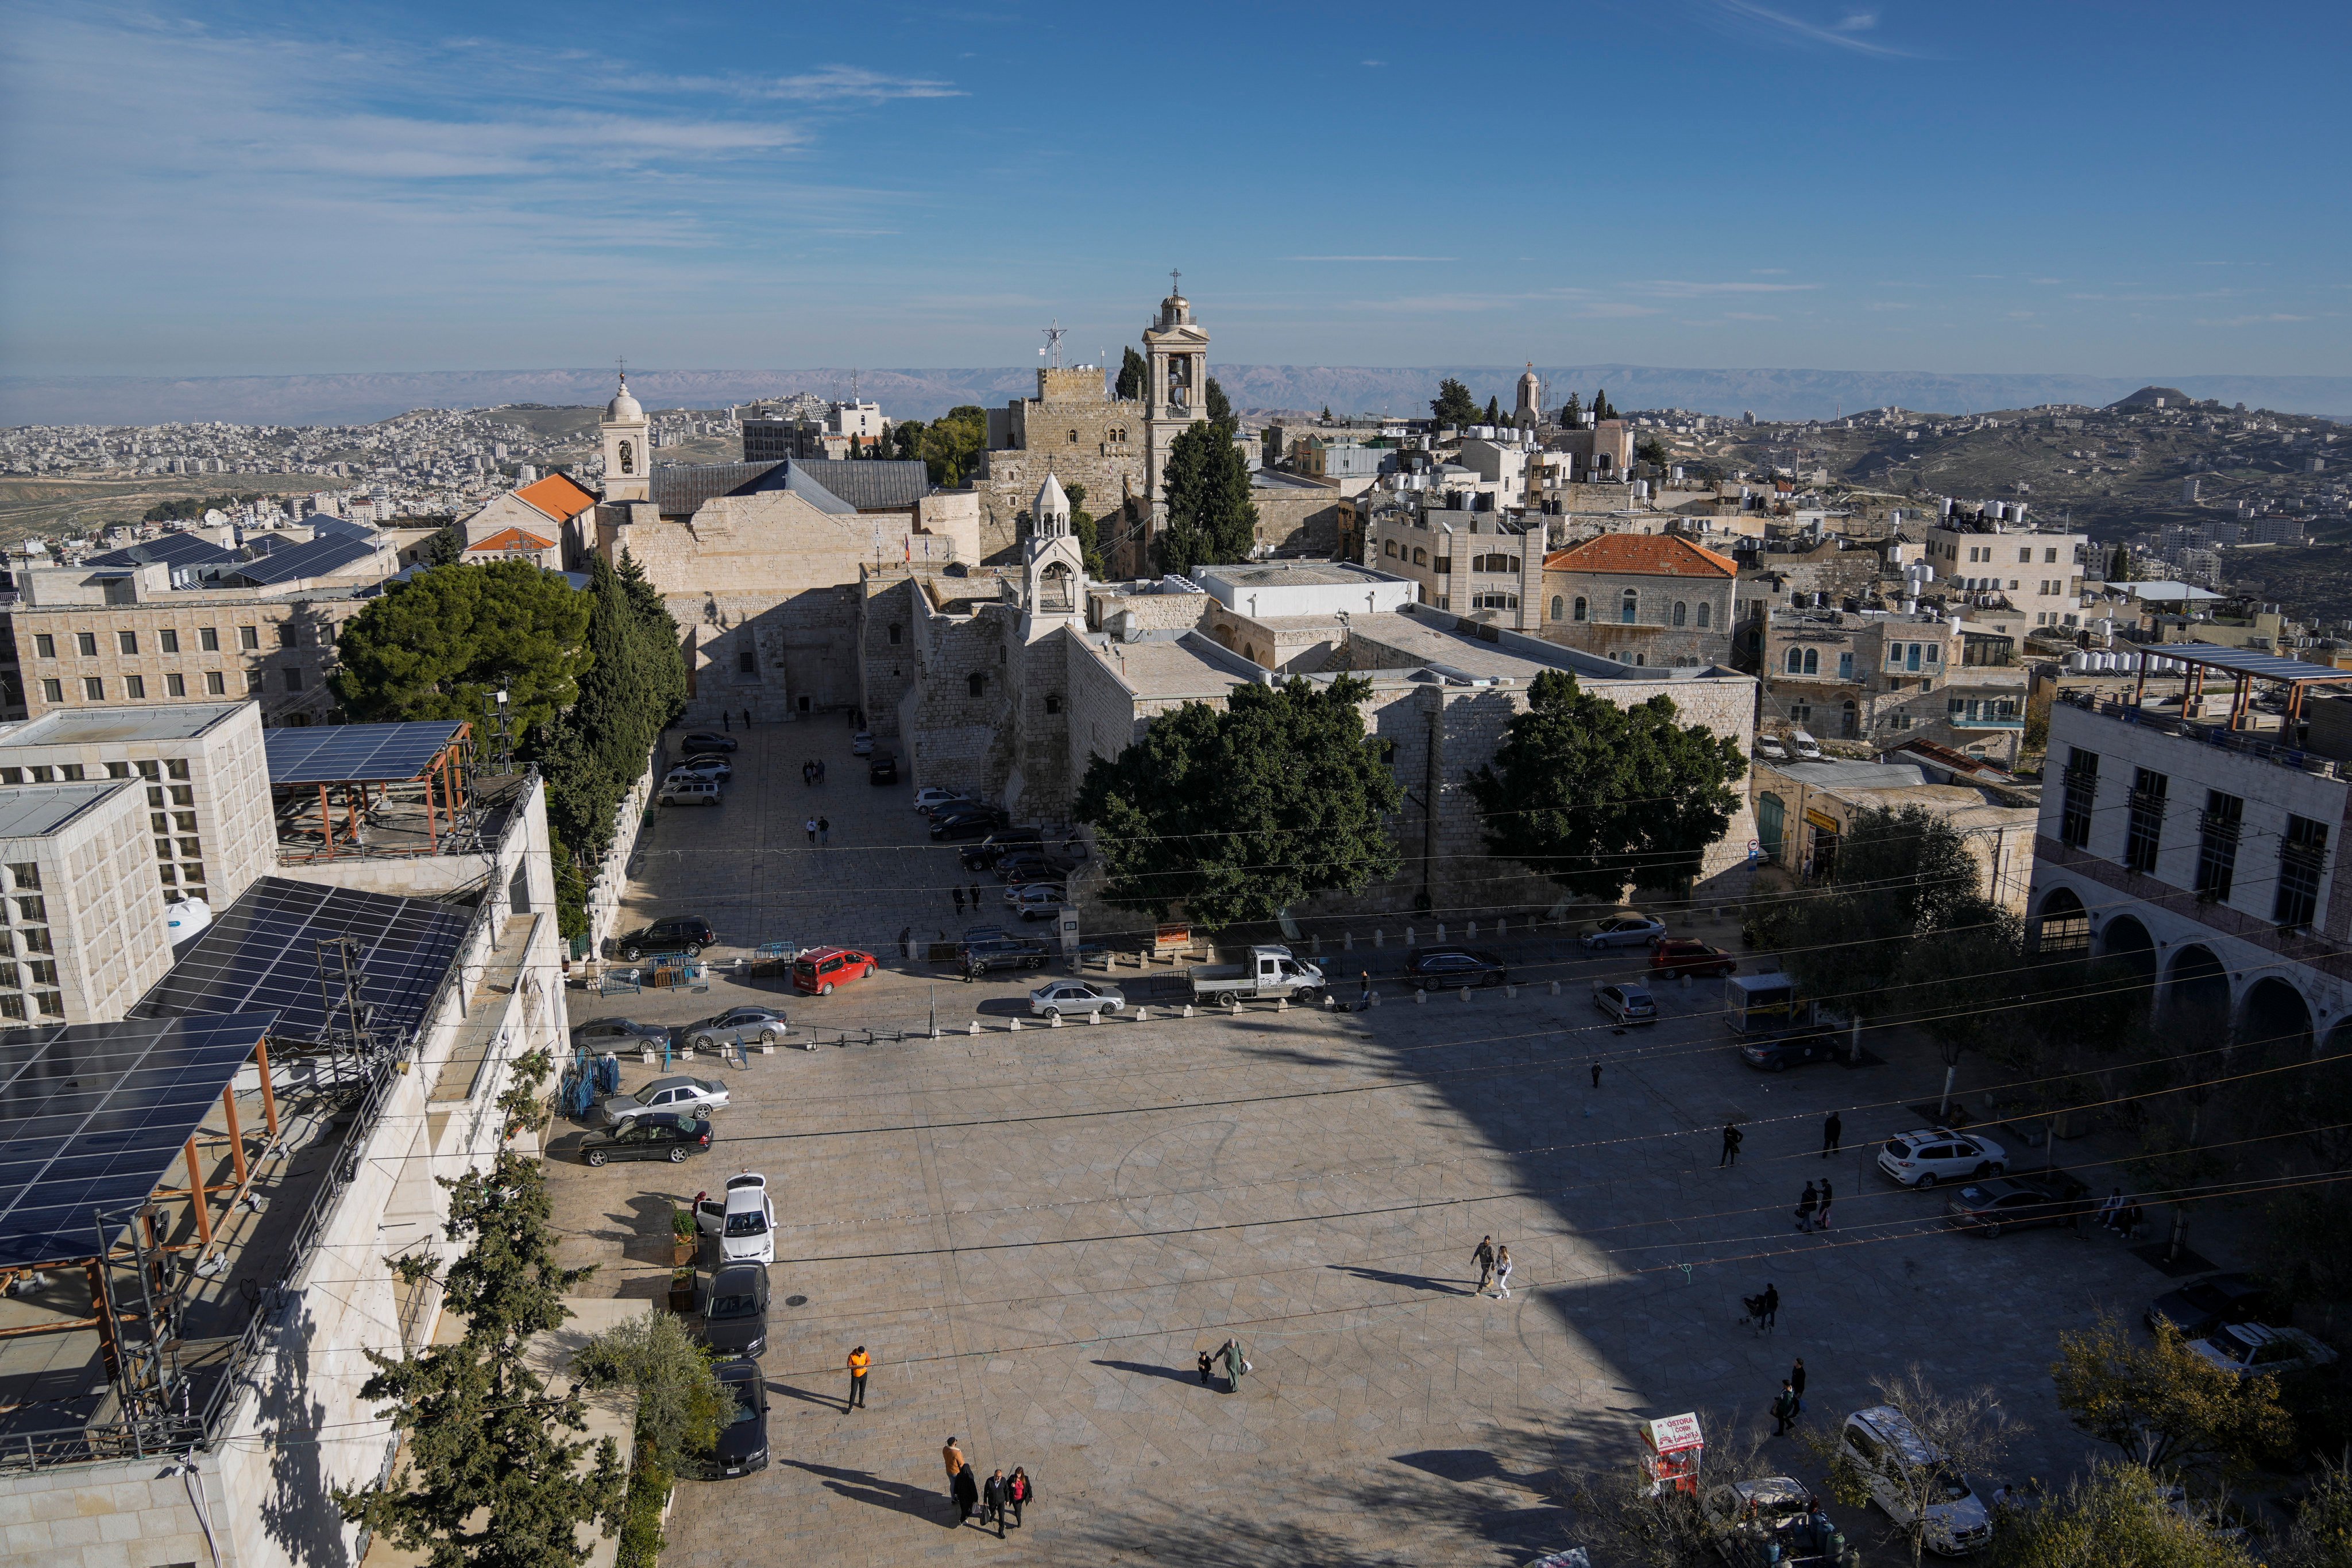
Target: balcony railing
{"type": "Point", "coordinates": [2238, 740]}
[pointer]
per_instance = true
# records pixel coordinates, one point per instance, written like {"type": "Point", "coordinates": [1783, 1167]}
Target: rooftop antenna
{"type": "Point", "coordinates": [1053, 347]}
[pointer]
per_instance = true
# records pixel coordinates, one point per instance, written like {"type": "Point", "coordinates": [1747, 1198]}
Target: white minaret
{"type": "Point", "coordinates": [628, 442]}
{"type": "Point", "coordinates": [1531, 410]}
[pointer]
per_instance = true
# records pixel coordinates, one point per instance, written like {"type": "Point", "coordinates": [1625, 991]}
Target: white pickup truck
{"type": "Point", "coordinates": [1270, 972]}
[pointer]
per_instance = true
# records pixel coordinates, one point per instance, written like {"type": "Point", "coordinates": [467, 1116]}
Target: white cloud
{"type": "Point", "coordinates": [829, 84]}
{"type": "Point", "coordinates": [1678, 288]}
{"type": "Point", "coordinates": [1845, 34]}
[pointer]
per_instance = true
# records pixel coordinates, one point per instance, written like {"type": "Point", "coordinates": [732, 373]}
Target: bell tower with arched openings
{"type": "Point", "coordinates": [1178, 398]}
{"type": "Point", "coordinates": [628, 448]}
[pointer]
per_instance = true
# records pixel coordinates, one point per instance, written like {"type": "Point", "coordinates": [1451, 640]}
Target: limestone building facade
{"type": "Point", "coordinates": [1642, 599]}
{"type": "Point", "coordinates": [1075, 429]}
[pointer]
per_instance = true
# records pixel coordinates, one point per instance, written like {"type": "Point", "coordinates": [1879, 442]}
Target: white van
{"type": "Point", "coordinates": [1808, 750]}
{"type": "Point", "coordinates": [1901, 1467]}
{"type": "Point", "coordinates": [689, 792]}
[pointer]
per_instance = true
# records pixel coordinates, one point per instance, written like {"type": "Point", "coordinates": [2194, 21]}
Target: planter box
{"type": "Point", "coordinates": [682, 1250]}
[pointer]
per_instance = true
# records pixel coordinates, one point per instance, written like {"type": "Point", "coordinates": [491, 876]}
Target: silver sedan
{"type": "Point", "coordinates": [737, 1026]}
{"type": "Point", "coordinates": [1059, 997]}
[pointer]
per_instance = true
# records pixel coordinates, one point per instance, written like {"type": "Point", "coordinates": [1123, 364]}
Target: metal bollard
{"type": "Point", "coordinates": [1420, 998]}
{"type": "Point", "coordinates": [975, 1025]}
{"type": "Point", "coordinates": [1016, 1026]}
{"type": "Point", "coordinates": [1377, 936]}
{"type": "Point", "coordinates": [1510, 992]}
{"type": "Point", "coordinates": [1502, 925]}
{"type": "Point", "coordinates": [1555, 987]}
{"type": "Point", "coordinates": [1440, 930]}
{"type": "Point", "coordinates": [1376, 998]}
{"type": "Point", "coordinates": [1188, 1009]}
{"type": "Point", "coordinates": [1346, 942]}
{"type": "Point", "coordinates": [1314, 945]}
{"type": "Point", "coordinates": [1474, 927]}
{"type": "Point", "coordinates": [1408, 936]}
{"type": "Point", "coordinates": [1144, 1014]}
{"type": "Point", "coordinates": [1465, 996]}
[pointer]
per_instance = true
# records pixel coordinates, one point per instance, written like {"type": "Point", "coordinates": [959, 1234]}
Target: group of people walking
{"type": "Point", "coordinates": [1494, 1268]}
{"type": "Point", "coordinates": [1813, 1207]}
{"type": "Point", "coordinates": [1236, 1364]}
{"type": "Point", "coordinates": [993, 1498]}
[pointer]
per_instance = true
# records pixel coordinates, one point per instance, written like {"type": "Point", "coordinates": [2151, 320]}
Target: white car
{"type": "Point", "coordinates": [2248, 1349]}
{"type": "Point", "coordinates": [717, 769]}
{"type": "Point", "coordinates": [861, 744]}
{"type": "Point", "coordinates": [1901, 1469]}
{"type": "Point", "coordinates": [1626, 1004]}
{"type": "Point", "coordinates": [1767, 1507]}
{"type": "Point", "coordinates": [689, 792]}
{"type": "Point", "coordinates": [1060, 996]}
{"type": "Point", "coordinates": [745, 1221]}
{"type": "Point", "coordinates": [676, 1092]}
{"type": "Point", "coordinates": [928, 801]}
{"type": "Point", "coordinates": [1037, 900]}
{"type": "Point", "coordinates": [1939, 1155]}
{"type": "Point", "coordinates": [1624, 930]}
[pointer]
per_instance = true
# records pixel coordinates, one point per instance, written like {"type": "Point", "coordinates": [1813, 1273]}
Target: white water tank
{"type": "Point", "coordinates": [187, 918]}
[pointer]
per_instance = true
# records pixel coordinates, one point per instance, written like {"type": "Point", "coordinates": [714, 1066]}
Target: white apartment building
{"type": "Point", "coordinates": [2015, 579]}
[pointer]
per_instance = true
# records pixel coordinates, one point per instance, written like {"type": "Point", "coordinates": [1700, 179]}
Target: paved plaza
{"type": "Point", "coordinates": [1036, 1233]}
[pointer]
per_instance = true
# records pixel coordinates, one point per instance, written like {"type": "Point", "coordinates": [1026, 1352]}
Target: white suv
{"type": "Point", "coordinates": [1938, 1155]}
{"type": "Point", "coordinates": [2248, 1349]}
{"type": "Point", "coordinates": [1902, 1470]}
{"type": "Point", "coordinates": [744, 1220]}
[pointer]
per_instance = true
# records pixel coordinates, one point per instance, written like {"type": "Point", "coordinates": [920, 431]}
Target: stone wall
{"type": "Point", "coordinates": [1041, 786]}
{"type": "Point", "coordinates": [956, 737]}
{"type": "Point", "coordinates": [1304, 523]}
{"type": "Point", "coordinates": [1654, 639]}
{"type": "Point", "coordinates": [1095, 441]}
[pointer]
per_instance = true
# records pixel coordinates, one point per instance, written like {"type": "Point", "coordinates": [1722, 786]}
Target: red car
{"type": "Point", "coordinates": [1683, 956]}
{"type": "Point", "coordinates": [820, 969]}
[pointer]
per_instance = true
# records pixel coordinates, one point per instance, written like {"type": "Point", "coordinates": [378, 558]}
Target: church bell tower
{"type": "Point", "coordinates": [1178, 396]}
{"type": "Point", "coordinates": [628, 448]}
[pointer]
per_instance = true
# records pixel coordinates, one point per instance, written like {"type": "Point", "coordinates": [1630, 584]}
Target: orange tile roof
{"type": "Point", "coordinates": [513, 539]}
{"type": "Point", "coordinates": [558, 497]}
{"type": "Point", "coordinates": [1643, 555]}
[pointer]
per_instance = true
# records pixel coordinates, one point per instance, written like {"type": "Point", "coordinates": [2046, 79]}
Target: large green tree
{"type": "Point", "coordinates": [1221, 407]}
{"type": "Point", "coordinates": [1596, 796]}
{"type": "Point", "coordinates": [2119, 1516]}
{"type": "Point", "coordinates": [2158, 1403]}
{"type": "Point", "coordinates": [493, 1478]}
{"type": "Point", "coordinates": [1211, 517]}
{"type": "Point", "coordinates": [1452, 405]}
{"type": "Point", "coordinates": [1238, 813]}
{"type": "Point", "coordinates": [1134, 377]}
{"type": "Point", "coordinates": [950, 444]}
{"type": "Point", "coordinates": [1087, 531]}
{"type": "Point", "coordinates": [439, 644]}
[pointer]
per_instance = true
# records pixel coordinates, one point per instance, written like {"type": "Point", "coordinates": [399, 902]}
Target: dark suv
{"type": "Point", "coordinates": [688, 934]}
{"type": "Point", "coordinates": [968, 822]}
{"type": "Point", "coordinates": [1005, 841]}
{"type": "Point", "coordinates": [1450, 967]}
{"type": "Point", "coordinates": [977, 958]}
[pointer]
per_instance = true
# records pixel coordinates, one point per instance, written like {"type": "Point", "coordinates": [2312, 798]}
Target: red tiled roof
{"type": "Point", "coordinates": [556, 496]}
{"type": "Point", "coordinates": [513, 539]}
{"type": "Point", "coordinates": [1641, 555]}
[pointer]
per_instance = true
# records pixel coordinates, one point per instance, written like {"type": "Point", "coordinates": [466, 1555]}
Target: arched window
{"type": "Point", "coordinates": [1702, 615]}
{"type": "Point", "coordinates": [1558, 604]}
{"type": "Point", "coordinates": [1812, 662]}
{"type": "Point", "coordinates": [1580, 608]}
{"type": "Point", "coordinates": [1249, 652]}
{"type": "Point", "coordinates": [1796, 661]}
{"type": "Point", "coordinates": [1053, 702]}
{"type": "Point", "coordinates": [1073, 437]}
{"type": "Point", "coordinates": [1420, 557]}
{"type": "Point", "coordinates": [977, 682]}
{"type": "Point", "coordinates": [1625, 611]}
{"type": "Point", "coordinates": [628, 457]}
{"type": "Point", "coordinates": [1682, 612]}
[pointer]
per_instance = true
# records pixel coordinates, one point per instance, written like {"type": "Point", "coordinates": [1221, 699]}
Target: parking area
{"type": "Point", "coordinates": [1036, 1233]}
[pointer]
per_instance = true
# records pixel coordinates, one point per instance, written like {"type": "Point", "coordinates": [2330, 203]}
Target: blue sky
{"type": "Point", "coordinates": [2062, 186]}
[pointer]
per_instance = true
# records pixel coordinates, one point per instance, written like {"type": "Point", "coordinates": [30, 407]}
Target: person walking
{"type": "Point", "coordinates": [967, 1494]}
{"type": "Point", "coordinates": [1832, 1130]}
{"type": "Point", "coordinates": [1364, 997]}
{"type": "Point", "coordinates": [811, 826]}
{"type": "Point", "coordinates": [2127, 1222]}
{"type": "Point", "coordinates": [1806, 1205]}
{"type": "Point", "coordinates": [1484, 1257]}
{"type": "Point", "coordinates": [1236, 1364]}
{"type": "Point", "coordinates": [1208, 1359]}
{"type": "Point", "coordinates": [825, 830]}
{"type": "Point", "coordinates": [723, 725]}
{"type": "Point", "coordinates": [860, 1363]}
{"type": "Point", "coordinates": [952, 1456]}
{"type": "Point", "coordinates": [1822, 1220]}
{"type": "Point", "coordinates": [1784, 1410]}
{"type": "Point", "coordinates": [1769, 1308]}
{"type": "Point", "coordinates": [975, 898]}
{"type": "Point", "coordinates": [1596, 1075]}
{"type": "Point", "coordinates": [746, 718]}
{"type": "Point", "coordinates": [820, 770]}
{"type": "Point", "coordinates": [993, 1500]}
{"type": "Point", "coordinates": [1797, 1384]}
{"type": "Point", "coordinates": [1732, 1139]}
{"type": "Point", "coordinates": [1019, 1491]}
{"type": "Point", "coordinates": [958, 899]}
{"type": "Point", "coordinates": [1503, 1273]}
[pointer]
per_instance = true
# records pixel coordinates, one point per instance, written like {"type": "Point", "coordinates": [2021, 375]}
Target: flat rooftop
{"type": "Point", "coordinates": [1430, 638]}
{"type": "Point", "coordinates": [1184, 666]}
{"type": "Point", "coordinates": [34, 811]}
{"type": "Point", "coordinates": [95, 726]}
{"type": "Point", "coordinates": [1292, 574]}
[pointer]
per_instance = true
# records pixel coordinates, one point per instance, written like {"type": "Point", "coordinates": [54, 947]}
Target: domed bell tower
{"type": "Point", "coordinates": [628, 448]}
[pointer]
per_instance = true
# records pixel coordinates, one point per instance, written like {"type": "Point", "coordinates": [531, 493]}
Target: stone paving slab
{"type": "Point", "coordinates": [1036, 1233]}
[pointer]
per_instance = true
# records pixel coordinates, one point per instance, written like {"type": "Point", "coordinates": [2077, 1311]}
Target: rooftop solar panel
{"type": "Point", "coordinates": [2246, 660]}
{"type": "Point", "coordinates": [178, 550]}
{"type": "Point", "coordinates": [262, 953]}
{"type": "Point", "coordinates": [316, 558]}
{"type": "Point", "coordinates": [355, 753]}
{"type": "Point", "coordinates": [326, 525]}
{"type": "Point", "coordinates": [93, 1116]}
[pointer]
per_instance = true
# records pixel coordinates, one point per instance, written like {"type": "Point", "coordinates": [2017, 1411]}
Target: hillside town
{"type": "Point", "coordinates": [1459, 837]}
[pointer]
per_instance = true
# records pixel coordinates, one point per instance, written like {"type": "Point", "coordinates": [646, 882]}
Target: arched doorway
{"type": "Point", "coordinates": [2275, 1022]}
{"type": "Point", "coordinates": [2125, 938]}
{"type": "Point", "coordinates": [2197, 997]}
{"type": "Point", "coordinates": [2062, 925]}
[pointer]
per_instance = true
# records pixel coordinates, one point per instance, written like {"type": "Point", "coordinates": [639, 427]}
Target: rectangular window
{"type": "Point", "coordinates": [24, 875]}
{"type": "Point", "coordinates": [93, 687]}
{"type": "Point", "coordinates": [2049, 556]}
{"type": "Point", "coordinates": [87, 642]}
{"type": "Point", "coordinates": [176, 767]}
{"type": "Point", "coordinates": [2217, 844]}
{"type": "Point", "coordinates": [285, 637]}
{"type": "Point", "coordinates": [175, 685]}
{"type": "Point", "coordinates": [12, 1007]}
{"type": "Point", "coordinates": [127, 641]}
{"type": "Point", "coordinates": [171, 641]}
{"type": "Point", "coordinates": [163, 849]}
{"type": "Point", "coordinates": [150, 772]}
{"type": "Point", "coordinates": [33, 911]}
{"type": "Point", "coordinates": [253, 682]}
{"type": "Point", "coordinates": [2082, 789]}
{"type": "Point", "coordinates": [2301, 856]}
{"type": "Point", "coordinates": [2143, 832]}
{"type": "Point", "coordinates": [185, 821]}
{"type": "Point", "coordinates": [216, 684]}
{"type": "Point", "coordinates": [168, 874]}
{"type": "Point", "coordinates": [746, 661]}
{"type": "Point", "coordinates": [52, 1003]}
{"type": "Point", "coordinates": [2025, 556]}
{"type": "Point", "coordinates": [248, 636]}
{"type": "Point", "coordinates": [182, 795]}
{"type": "Point", "coordinates": [45, 645]}
{"type": "Point", "coordinates": [293, 680]}
{"type": "Point", "coordinates": [118, 770]}
{"type": "Point", "coordinates": [1911, 657]}
{"type": "Point", "coordinates": [191, 849]}
{"type": "Point", "coordinates": [134, 686]}
{"type": "Point", "coordinates": [208, 639]}
{"type": "Point", "coordinates": [53, 692]}
{"type": "Point", "coordinates": [1935, 656]}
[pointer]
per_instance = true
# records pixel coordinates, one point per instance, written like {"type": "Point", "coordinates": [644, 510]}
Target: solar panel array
{"type": "Point", "coordinates": [94, 1116]}
{"type": "Point", "coordinates": [180, 551]}
{"type": "Point", "coordinates": [327, 526]}
{"type": "Point", "coordinates": [262, 953]}
{"type": "Point", "coordinates": [316, 558]}
{"type": "Point", "coordinates": [2247, 660]}
{"type": "Point", "coordinates": [355, 753]}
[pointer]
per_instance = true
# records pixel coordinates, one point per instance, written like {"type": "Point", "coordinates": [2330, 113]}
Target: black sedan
{"type": "Point", "coordinates": [949, 826]}
{"type": "Point", "coordinates": [735, 1318]}
{"type": "Point", "coordinates": [742, 1446]}
{"type": "Point", "coordinates": [2016, 1202]}
{"type": "Point", "coordinates": [980, 857]}
{"type": "Point", "coordinates": [1793, 1050]}
{"type": "Point", "coordinates": [704, 741]}
{"type": "Point", "coordinates": [1450, 968]}
{"type": "Point", "coordinates": [688, 934]}
{"type": "Point", "coordinates": [669, 1135]}
{"type": "Point", "coordinates": [619, 1035]}
{"type": "Point", "coordinates": [2202, 1305]}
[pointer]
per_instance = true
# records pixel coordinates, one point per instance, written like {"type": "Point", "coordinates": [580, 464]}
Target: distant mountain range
{"type": "Point", "coordinates": [926, 394]}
